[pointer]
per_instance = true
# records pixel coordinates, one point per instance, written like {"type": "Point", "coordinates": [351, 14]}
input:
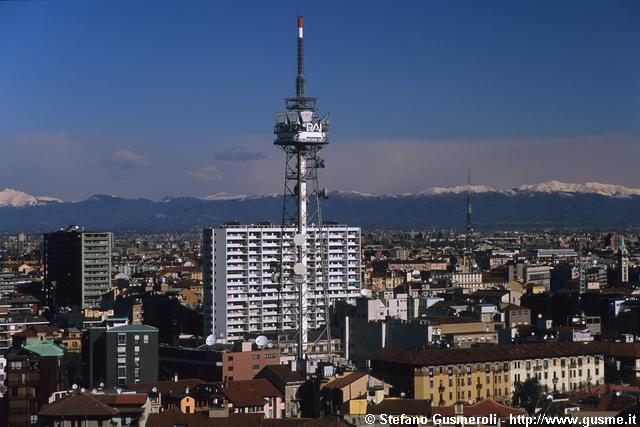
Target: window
{"type": "Point", "coordinates": [122, 339]}
{"type": "Point", "coordinates": [122, 371]}
{"type": "Point", "coordinates": [146, 339]}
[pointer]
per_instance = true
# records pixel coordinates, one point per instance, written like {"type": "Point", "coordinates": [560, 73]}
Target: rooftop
{"type": "Point", "coordinates": [493, 353]}
{"type": "Point", "coordinates": [45, 349]}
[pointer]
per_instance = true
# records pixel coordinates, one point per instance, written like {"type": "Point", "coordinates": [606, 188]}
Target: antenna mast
{"type": "Point", "coordinates": [301, 134]}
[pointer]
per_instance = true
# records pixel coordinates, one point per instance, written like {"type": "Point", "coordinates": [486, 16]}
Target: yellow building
{"type": "Point", "coordinates": [445, 385]}
{"type": "Point", "coordinates": [490, 371]}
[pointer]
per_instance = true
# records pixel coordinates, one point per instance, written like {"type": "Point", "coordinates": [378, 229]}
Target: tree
{"type": "Point", "coordinates": [526, 394]}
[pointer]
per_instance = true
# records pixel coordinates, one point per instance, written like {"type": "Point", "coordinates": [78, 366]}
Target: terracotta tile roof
{"type": "Point", "coordinates": [172, 418]}
{"type": "Point", "coordinates": [261, 386]}
{"type": "Point", "coordinates": [244, 398]}
{"type": "Point", "coordinates": [250, 392]}
{"type": "Point", "coordinates": [615, 403]}
{"type": "Point", "coordinates": [489, 293]}
{"type": "Point", "coordinates": [305, 422]}
{"type": "Point", "coordinates": [137, 399]}
{"type": "Point", "coordinates": [283, 373]}
{"type": "Point", "coordinates": [78, 404]}
{"type": "Point", "coordinates": [402, 406]}
{"type": "Point", "coordinates": [620, 349]}
{"type": "Point", "coordinates": [493, 353]}
{"type": "Point", "coordinates": [603, 389]}
{"type": "Point", "coordinates": [484, 408]}
{"type": "Point", "coordinates": [342, 382]}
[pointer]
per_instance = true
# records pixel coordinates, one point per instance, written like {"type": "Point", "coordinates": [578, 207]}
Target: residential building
{"type": "Point", "coordinates": [258, 395]}
{"type": "Point", "coordinates": [34, 372]}
{"type": "Point", "coordinates": [77, 267]}
{"type": "Point", "coordinates": [241, 296]}
{"type": "Point", "coordinates": [120, 355]}
{"type": "Point", "coordinates": [14, 323]}
{"type": "Point", "coordinates": [448, 376]}
{"type": "Point", "coordinates": [96, 410]}
{"type": "Point", "coordinates": [288, 382]}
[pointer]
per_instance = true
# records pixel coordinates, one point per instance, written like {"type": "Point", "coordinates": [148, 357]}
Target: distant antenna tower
{"type": "Point", "coordinates": [469, 243]}
{"type": "Point", "coordinates": [301, 133]}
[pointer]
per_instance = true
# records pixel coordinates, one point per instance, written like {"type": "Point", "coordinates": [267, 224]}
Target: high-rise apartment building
{"type": "Point", "coordinates": [241, 289]}
{"type": "Point", "coordinates": [77, 267]}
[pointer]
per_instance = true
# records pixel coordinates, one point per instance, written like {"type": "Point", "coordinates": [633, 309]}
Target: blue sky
{"type": "Point", "coordinates": [147, 98]}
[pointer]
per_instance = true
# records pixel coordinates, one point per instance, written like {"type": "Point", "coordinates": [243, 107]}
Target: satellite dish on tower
{"type": "Point", "coordinates": [299, 269]}
{"type": "Point", "coordinates": [211, 340]}
{"type": "Point", "coordinates": [298, 239]}
{"type": "Point", "coordinates": [262, 341]}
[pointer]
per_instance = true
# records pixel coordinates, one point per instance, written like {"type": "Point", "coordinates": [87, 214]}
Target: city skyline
{"type": "Point", "coordinates": [133, 100]}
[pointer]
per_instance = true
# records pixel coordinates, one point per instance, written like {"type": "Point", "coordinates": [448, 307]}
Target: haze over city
{"type": "Point", "coordinates": [140, 99]}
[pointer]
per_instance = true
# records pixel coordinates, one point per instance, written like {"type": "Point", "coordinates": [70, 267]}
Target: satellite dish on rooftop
{"type": "Point", "coordinates": [365, 293]}
{"type": "Point", "coordinates": [75, 386]}
{"type": "Point", "coordinates": [211, 340]}
{"type": "Point", "coordinates": [155, 389]}
{"type": "Point", "coordinates": [262, 341]}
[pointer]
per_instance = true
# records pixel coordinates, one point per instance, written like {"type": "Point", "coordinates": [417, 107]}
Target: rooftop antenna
{"type": "Point", "coordinates": [300, 76]}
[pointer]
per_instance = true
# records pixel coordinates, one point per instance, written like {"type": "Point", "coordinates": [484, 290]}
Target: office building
{"type": "Point", "coordinates": [241, 293]}
{"type": "Point", "coordinates": [77, 267]}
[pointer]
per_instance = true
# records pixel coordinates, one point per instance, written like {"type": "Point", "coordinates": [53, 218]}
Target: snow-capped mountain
{"type": "Point", "coordinates": [17, 199]}
{"type": "Point", "coordinates": [609, 190]}
{"type": "Point", "coordinates": [236, 197]}
{"type": "Point", "coordinates": [548, 187]}
{"type": "Point", "coordinates": [550, 203]}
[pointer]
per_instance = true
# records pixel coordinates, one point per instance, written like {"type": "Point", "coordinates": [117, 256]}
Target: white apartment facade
{"type": "Point", "coordinates": [241, 293]}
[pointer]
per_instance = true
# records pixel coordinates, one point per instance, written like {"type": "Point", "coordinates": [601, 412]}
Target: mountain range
{"type": "Point", "coordinates": [548, 204]}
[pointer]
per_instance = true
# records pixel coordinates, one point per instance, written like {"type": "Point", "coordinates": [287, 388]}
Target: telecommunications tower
{"type": "Point", "coordinates": [301, 133]}
{"type": "Point", "coordinates": [469, 242]}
